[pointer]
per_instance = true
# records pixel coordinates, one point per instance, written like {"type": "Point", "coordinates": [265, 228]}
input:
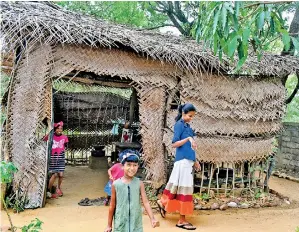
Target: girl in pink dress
{"type": "Point", "coordinates": [57, 160]}
{"type": "Point", "coordinates": [114, 173]}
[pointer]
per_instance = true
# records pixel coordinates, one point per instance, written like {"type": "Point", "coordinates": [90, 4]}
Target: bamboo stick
{"type": "Point", "coordinates": [202, 176]}
{"type": "Point", "coordinates": [210, 179]}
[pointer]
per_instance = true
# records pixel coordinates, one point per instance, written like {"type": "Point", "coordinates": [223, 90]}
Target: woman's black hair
{"type": "Point", "coordinates": [184, 109]}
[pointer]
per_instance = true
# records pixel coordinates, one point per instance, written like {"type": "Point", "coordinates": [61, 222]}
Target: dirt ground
{"type": "Point", "coordinates": [64, 214]}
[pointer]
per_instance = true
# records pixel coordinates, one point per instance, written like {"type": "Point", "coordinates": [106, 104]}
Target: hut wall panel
{"type": "Point", "coordinates": [26, 130]}
{"type": "Point", "coordinates": [115, 63]}
{"type": "Point", "coordinates": [152, 110]}
{"type": "Point", "coordinates": [237, 118]}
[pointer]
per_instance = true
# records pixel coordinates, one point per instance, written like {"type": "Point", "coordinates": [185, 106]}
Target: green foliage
{"type": "Point", "coordinates": [228, 27]}
{"type": "Point", "coordinates": [17, 201]}
{"type": "Point", "coordinates": [297, 229]}
{"type": "Point", "coordinates": [34, 226]}
{"type": "Point", "coordinates": [236, 25]}
{"type": "Point", "coordinates": [74, 87]}
{"type": "Point", "coordinates": [7, 169]}
{"type": "Point", "coordinates": [292, 113]}
{"type": "Point", "coordinates": [130, 13]}
{"type": "Point", "coordinates": [259, 194]}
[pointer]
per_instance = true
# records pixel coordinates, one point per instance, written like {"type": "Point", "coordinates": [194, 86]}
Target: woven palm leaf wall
{"type": "Point", "coordinates": [237, 118]}
{"type": "Point", "coordinates": [29, 103]}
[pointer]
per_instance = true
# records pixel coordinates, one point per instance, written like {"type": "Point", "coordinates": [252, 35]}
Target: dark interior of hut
{"type": "Point", "coordinates": [100, 117]}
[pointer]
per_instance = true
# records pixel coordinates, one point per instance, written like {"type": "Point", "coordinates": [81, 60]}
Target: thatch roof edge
{"type": "Point", "coordinates": [46, 22]}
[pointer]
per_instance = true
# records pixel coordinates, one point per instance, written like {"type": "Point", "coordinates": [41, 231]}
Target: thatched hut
{"type": "Point", "coordinates": [239, 115]}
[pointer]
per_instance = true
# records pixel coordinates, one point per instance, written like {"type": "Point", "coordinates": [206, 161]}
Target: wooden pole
{"type": "Point", "coordinates": [133, 104]}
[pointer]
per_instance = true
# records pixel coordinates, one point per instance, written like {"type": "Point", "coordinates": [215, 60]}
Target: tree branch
{"type": "Point", "coordinates": [290, 98]}
{"type": "Point", "coordinates": [179, 13]}
{"type": "Point", "coordinates": [176, 23]}
{"type": "Point", "coordinates": [260, 3]}
{"type": "Point", "coordinates": [156, 27]}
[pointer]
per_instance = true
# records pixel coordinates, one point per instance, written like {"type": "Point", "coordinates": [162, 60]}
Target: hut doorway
{"type": "Point", "coordinates": [94, 110]}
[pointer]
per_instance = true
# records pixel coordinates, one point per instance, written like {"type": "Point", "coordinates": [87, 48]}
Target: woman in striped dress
{"type": "Point", "coordinates": [177, 196]}
{"type": "Point", "coordinates": [57, 161]}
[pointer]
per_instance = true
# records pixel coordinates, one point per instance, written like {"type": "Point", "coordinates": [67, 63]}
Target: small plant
{"type": "Point", "coordinates": [7, 169]}
{"type": "Point", "coordinates": [205, 197]}
{"type": "Point", "coordinates": [17, 201]}
{"type": "Point", "coordinates": [34, 226]}
{"type": "Point", "coordinates": [297, 229]}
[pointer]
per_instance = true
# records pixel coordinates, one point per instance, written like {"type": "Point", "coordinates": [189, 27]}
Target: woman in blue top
{"type": "Point", "coordinates": [177, 196]}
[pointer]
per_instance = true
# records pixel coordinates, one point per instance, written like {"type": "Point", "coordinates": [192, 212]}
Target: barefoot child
{"type": "Point", "coordinates": [114, 173]}
{"type": "Point", "coordinates": [125, 206]}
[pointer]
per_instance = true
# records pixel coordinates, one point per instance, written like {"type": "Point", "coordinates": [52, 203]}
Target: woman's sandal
{"type": "Point", "coordinates": [161, 209]}
{"type": "Point", "coordinates": [186, 226]}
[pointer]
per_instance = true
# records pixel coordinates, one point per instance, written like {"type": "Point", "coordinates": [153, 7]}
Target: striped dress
{"type": "Point", "coordinates": [57, 160]}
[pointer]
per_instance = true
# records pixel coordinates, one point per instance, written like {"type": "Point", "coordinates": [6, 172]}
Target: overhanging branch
{"type": "Point", "coordinates": [290, 98]}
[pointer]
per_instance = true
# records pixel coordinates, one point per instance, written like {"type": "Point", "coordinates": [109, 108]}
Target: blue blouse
{"type": "Point", "coordinates": [183, 130]}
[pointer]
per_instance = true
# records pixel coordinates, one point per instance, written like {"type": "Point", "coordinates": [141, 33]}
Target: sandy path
{"type": "Point", "coordinates": [64, 214]}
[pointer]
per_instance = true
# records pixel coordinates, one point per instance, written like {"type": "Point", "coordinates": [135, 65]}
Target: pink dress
{"type": "Point", "coordinates": [116, 172]}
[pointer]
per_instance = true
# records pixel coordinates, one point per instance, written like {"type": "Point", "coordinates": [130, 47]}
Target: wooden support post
{"type": "Point", "coordinates": [133, 104]}
{"type": "Point", "coordinates": [233, 187]}
{"type": "Point", "coordinates": [226, 179]}
{"type": "Point", "coordinates": [202, 176]}
{"type": "Point", "coordinates": [249, 176]}
{"type": "Point", "coordinates": [210, 178]}
{"type": "Point", "coordinates": [217, 179]}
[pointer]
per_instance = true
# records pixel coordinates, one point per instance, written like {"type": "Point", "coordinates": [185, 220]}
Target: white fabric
{"type": "Point", "coordinates": [181, 176]}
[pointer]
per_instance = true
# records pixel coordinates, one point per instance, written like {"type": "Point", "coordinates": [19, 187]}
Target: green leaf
{"type": "Point", "coordinates": [224, 17]}
{"type": "Point", "coordinates": [237, 8]}
{"type": "Point", "coordinates": [286, 41]}
{"type": "Point", "coordinates": [267, 15]}
{"type": "Point", "coordinates": [198, 32]}
{"type": "Point", "coordinates": [241, 62]}
{"type": "Point", "coordinates": [272, 26]}
{"type": "Point", "coordinates": [261, 20]}
{"type": "Point", "coordinates": [246, 34]}
{"type": "Point", "coordinates": [236, 23]}
{"type": "Point", "coordinates": [232, 45]}
{"type": "Point", "coordinates": [220, 54]}
{"type": "Point", "coordinates": [295, 43]}
{"type": "Point", "coordinates": [228, 7]}
{"type": "Point", "coordinates": [216, 18]}
{"type": "Point", "coordinates": [215, 44]}
{"type": "Point", "coordinates": [240, 49]}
